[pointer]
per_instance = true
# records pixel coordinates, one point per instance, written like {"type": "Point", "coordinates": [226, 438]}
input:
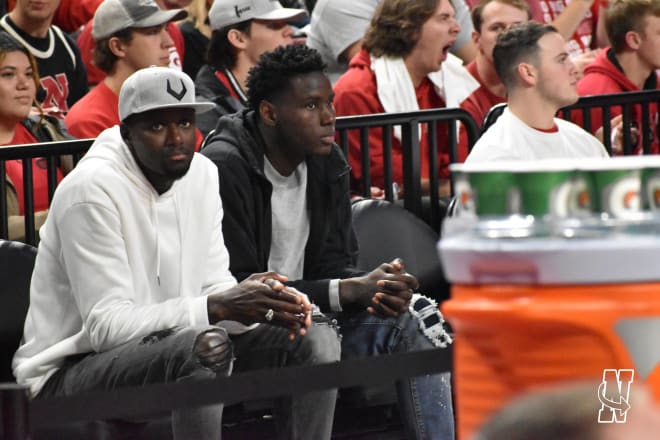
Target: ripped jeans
{"type": "Point", "coordinates": [170, 356]}
{"type": "Point", "coordinates": [425, 402]}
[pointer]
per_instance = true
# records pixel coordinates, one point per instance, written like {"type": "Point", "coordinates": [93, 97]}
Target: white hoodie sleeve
{"type": "Point", "coordinates": [114, 306]}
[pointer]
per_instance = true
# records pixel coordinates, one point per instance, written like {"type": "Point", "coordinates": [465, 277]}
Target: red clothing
{"type": "Point", "coordinates": [356, 94]}
{"type": "Point", "coordinates": [601, 77]}
{"type": "Point", "coordinates": [96, 111]}
{"type": "Point", "coordinates": [70, 14]}
{"type": "Point", "coordinates": [477, 104]}
{"type": "Point", "coordinates": [581, 41]}
{"type": "Point", "coordinates": [39, 173]}
{"type": "Point", "coordinates": [95, 75]}
{"type": "Point", "coordinates": [482, 99]}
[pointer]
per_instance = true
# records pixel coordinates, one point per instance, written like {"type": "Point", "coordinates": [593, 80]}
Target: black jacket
{"type": "Point", "coordinates": [210, 88]}
{"type": "Point", "coordinates": [331, 251]}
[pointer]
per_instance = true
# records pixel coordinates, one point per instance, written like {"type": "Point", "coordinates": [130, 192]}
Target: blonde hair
{"type": "Point", "coordinates": [198, 13]}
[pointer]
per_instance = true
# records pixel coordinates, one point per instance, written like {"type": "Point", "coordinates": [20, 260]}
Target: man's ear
{"type": "Point", "coordinates": [527, 73]}
{"type": "Point", "coordinates": [268, 113]}
{"type": "Point", "coordinates": [116, 46]}
{"type": "Point", "coordinates": [633, 40]}
{"type": "Point", "coordinates": [476, 36]}
{"type": "Point", "coordinates": [237, 39]}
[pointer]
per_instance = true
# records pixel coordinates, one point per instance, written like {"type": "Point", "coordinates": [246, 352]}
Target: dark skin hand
{"type": "Point", "coordinates": [249, 301]}
{"type": "Point", "coordinates": [386, 291]}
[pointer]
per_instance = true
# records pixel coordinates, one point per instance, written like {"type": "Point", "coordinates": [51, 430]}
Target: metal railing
{"type": "Point", "coordinates": [411, 123]}
{"type": "Point", "coordinates": [639, 102]}
{"type": "Point", "coordinates": [410, 144]}
{"type": "Point", "coordinates": [51, 152]}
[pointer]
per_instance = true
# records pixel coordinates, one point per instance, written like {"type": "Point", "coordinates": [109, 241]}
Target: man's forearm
{"type": "Point", "coordinates": [569, 20]}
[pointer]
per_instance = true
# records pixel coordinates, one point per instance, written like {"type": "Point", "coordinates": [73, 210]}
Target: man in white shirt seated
{"type": "Point", "coordinates": [540, 78]}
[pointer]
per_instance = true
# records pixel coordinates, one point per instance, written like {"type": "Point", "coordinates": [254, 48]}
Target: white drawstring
{"type": "Point", "coordinates": [154, 213]}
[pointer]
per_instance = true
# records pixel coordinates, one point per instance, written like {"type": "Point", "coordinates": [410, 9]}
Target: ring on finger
{"type": "Point", "coordinates": [269, 315]}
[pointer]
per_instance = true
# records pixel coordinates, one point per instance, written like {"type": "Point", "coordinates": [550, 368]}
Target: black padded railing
{"type": "Point", "coordinates": [410, 129]}
{"type": "Point", "coordinates": [51, 152]}
{"type": "Point", "coordinates": [20, 416]}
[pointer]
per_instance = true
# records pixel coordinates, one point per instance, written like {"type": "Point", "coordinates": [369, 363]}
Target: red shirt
{"type": "Point", "coordinates": [95, 75]}
{"type": "Point", "coordinates": [477, 104]}
{"type": "Point", "coordinates": [70, 14]}
{"type": "Point", "coordinates": [602, 77]}
{"type": "Point", "coordinates": [582, 38]}
{"type": "Point", "coordinates": [356, 94]}
{"type": "Point", "coordinates": [39, 172]}
{"type": "Point", "coordinates": [96, 111]}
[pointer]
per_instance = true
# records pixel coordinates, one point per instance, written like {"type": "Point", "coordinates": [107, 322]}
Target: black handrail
{"type": "Point", "coordinates": [51, 151]}
{"type": "Point", "coordinates": [409, 123]}
{"type": "Point", "coordinates": [626, 101]}
{"type": "Point", "coordinates": [149, 400]}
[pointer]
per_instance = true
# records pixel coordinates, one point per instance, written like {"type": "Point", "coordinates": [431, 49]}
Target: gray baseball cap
{"type": "Point", "coordinates": [156, 88]}
{"type": "Point", "coordinates": [114, 15]}
{"type": "Point", "coordinates": [227, 12]}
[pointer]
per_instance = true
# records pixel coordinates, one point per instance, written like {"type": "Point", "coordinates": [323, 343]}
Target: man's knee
{"type": "Point", "coordinates": [213, 348]}
{"type": "Point", "coordinates": [320, 344]}
{"type": "Point", "coordinates": [201, 352]}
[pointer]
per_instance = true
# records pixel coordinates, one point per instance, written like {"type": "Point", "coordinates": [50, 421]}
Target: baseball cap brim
{"type": "Point", "coordinates": [288, 14]}
{"type": "Point", "coordinates": [199, 107]}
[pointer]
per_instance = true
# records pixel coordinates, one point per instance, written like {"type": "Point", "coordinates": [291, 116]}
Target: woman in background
{"type": "Point", "coordinates": [196, 35]}
{"type": "Point", "coordinates": [20, 123]}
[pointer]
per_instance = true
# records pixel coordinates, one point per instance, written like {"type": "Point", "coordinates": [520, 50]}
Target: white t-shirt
{"type": "Point", "coordinates": [290, 220]}
{"type": "Point", "coordinates": [511, 139]}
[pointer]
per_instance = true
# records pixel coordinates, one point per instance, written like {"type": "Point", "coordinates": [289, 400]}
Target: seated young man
{"type": "Point", "coordinates": [236, 43]}
{"type": "Point", "coordinates": [540, 78]}
{"type": "Point", "coordinates": [490, 18]}
{"type": "Point", "coordinates": [629, 65]}
{"type": "Point", "coordinates": [131, 284]}
{"type": "Point", "coordinates": [127, 37]}
{"type": "Point", "coordinates": [404, 65]}
{"type": "Point", "coordinates": [284, 186]}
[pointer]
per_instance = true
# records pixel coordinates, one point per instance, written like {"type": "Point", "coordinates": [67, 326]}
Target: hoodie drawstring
{"type": "Point", "coordinates": [154, 215]}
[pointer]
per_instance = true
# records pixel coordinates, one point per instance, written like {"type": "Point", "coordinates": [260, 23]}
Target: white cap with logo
{"type": "Point", "coordinates": [156, 88]}
{"type": "Point", "coordinates": [227, 12]}
{"type": "Point", "coordinates": [114, 15]}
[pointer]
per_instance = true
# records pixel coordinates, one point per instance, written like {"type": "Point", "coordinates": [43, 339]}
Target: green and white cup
{"type": "Point", "coordinates": [551, 188]}
{"type": "Point", "coordinates": [650, 184]}
{"type": "Point", "coordinates": [483, 190]}
{"type": "Point", "coordinates": [614, 185]}
{"type": "Point", "coordinates": [547, 188]}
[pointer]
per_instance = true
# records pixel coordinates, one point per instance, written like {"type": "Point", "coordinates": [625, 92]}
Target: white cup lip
{"type": "Point", "coordinates": [621, 163]}
{"type": "Point", "coordinates": [520, 166]}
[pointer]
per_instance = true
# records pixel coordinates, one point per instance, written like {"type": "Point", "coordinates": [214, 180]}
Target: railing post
{"type": "Point", "coordinates": [412, 190]}
{"type": "Point", "coordinates": [15, 423]}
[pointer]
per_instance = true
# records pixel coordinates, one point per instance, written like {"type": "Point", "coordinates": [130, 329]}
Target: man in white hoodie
{"type": "Point", "coordinates": [132, 285]}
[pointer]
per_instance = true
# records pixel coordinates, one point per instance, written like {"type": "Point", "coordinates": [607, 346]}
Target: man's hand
{"type": "Point", "coordinates": [616, 124]}
{"type": "Point", "coordinates": [252, 300]}
{"type": "Point", "coordinates": [385, 291]}
{"type": "Point", "coordinates": [583, 60]}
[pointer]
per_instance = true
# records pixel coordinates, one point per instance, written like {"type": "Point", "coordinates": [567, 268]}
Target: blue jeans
{"type": "Point", "coordinates": [169, 356]}
{"type": "Point", "coordinates": [425, 402]}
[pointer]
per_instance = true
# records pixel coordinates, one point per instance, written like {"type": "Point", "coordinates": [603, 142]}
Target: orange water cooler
{"type": "Point", "coordinates": [531, 312]}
